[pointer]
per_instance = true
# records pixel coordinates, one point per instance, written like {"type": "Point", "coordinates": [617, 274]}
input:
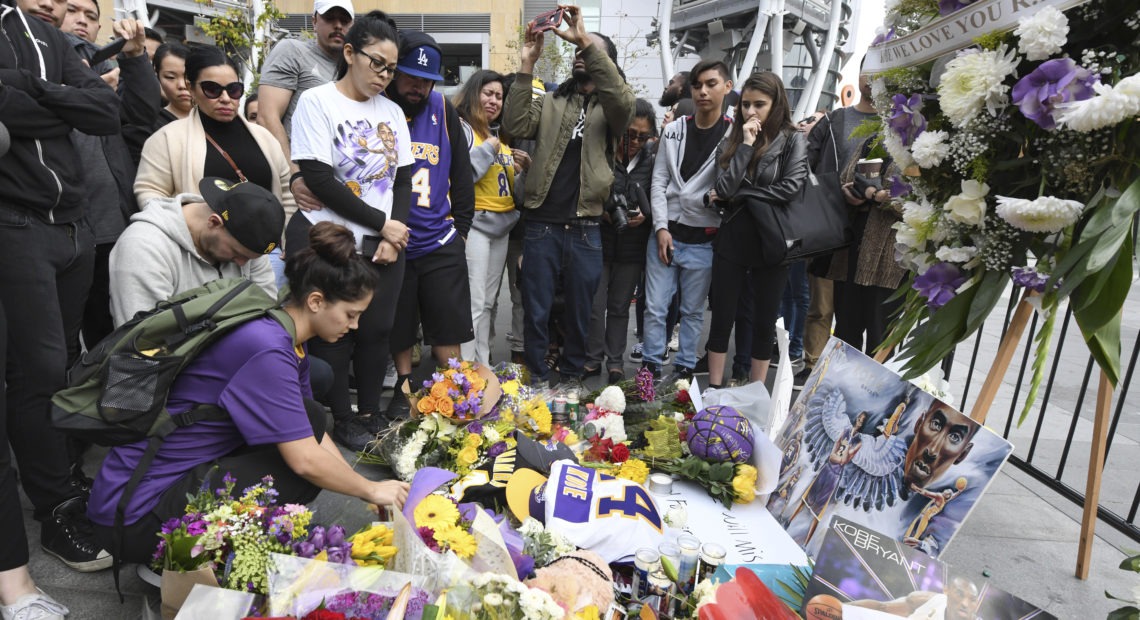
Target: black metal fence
{"type": "Point", "coordinates": [1052, 445]}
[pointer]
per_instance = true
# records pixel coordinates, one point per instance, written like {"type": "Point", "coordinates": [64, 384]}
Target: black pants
{"type": "Point", "coordinates": [43, 287]}
{"type": "Point", "coordinates": [366, 348]}
{"type": "Point", "coordinates": [13, 539]}
{"type": "Point", "coordinates": [728, 280]}
{"type": "Point", "coordinates": [862, 313]}
{"type": "Point", "coordinates": [97, 321]}
{"type": "Point", "coordinates": [247, 464]}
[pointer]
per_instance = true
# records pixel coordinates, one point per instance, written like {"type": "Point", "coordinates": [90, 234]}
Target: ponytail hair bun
{"type": "Point", "coordinates": [330, 265]}
{"type": "Point", "coordinates": [333, 243]}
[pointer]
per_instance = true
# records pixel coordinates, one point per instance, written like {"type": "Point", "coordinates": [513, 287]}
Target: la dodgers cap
{"type": "Point", "coordinates": [420, 56]}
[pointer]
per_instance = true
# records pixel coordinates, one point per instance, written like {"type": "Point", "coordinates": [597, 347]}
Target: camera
{"type": "Point", "coordinates": [621, 206]}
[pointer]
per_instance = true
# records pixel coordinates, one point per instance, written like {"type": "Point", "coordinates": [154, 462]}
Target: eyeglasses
{"type": "Point", "coordinates": [377, 64]}
{"type": "Point", "coordinates": [213, 90]}
{"type": "Point", "coordinates": [640, 137]}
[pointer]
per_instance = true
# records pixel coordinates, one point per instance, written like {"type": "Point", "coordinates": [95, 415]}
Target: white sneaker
{"type": "Point", "coordinates": [36, 606]}
{"type": "Point", "coordinates": [674, 343]}
{"type": "Point", "coordinates": [390, 377]}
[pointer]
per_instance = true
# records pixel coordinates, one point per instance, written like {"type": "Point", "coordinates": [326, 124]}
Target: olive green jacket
{"type": "Point", "coordinates": [550, 121]}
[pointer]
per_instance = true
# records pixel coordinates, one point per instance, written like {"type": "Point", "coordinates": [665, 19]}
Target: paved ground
{"type": "Point", "coordinates": [1022, 535]}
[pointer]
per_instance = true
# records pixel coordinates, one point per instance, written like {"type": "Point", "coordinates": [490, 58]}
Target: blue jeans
{"type": "Point", "coordinates": [794, 308]}
{"type": "Point", "coordinates": [692, 269]}
{"type": "Point", "coordinates": [553, 254]}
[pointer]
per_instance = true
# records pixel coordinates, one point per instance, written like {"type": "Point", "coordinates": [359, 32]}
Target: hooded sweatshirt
{"type": "Point", "coordinates": [155, 258]}
{"type": "Point", "coordinates": [45, 92]}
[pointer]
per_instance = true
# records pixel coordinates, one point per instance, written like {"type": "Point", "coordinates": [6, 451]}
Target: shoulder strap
{"type": "Point", "coordinates": [227, 157]}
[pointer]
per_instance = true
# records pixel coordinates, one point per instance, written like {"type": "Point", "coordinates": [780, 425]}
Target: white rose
{"type": "Point", "coordinates": [969, 207]}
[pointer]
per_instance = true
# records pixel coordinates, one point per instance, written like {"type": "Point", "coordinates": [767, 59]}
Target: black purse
{"type": "Point", "coordinates": [814, 223]}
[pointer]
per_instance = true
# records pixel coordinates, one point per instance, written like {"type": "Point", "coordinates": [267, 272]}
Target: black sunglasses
{"type": "Point", "coordinates": [377, 64]}
{"type": "Point", "coordinates": [640, 137]}
{"type": "Point", "coordinates": [213, 90]}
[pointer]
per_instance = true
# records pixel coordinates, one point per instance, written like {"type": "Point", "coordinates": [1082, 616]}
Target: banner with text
{"type": "Point", "coordinates": [955, 31]}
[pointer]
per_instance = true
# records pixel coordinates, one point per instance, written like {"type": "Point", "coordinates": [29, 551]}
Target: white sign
{"type": "Point", "coordinates": [955, 31]}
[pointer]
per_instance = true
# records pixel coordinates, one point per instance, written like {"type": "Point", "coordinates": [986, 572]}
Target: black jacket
{"type": "Point", "coordinates": [629, 246]}
{"type": "Point", "coordinates": [45, 92]}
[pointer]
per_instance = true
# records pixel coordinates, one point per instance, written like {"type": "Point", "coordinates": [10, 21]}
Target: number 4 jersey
{"type": "Point", "coordinates": [610, 516]}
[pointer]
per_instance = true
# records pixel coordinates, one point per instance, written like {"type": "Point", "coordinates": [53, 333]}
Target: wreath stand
{"type": "Point", "coordinates": [985, 399]}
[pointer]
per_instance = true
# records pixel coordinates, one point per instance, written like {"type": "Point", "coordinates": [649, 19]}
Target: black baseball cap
{"type": "Point", "coordinates": [252, 214]}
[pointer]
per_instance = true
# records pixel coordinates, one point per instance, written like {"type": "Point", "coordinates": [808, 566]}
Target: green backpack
{"type": "Point", "coordinates": [116, 393]}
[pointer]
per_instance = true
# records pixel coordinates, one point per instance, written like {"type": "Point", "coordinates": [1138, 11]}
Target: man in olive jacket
{"type": "Point", "coordinates": [576, 128]}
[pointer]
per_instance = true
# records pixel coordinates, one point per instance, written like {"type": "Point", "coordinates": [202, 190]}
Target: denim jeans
{"type": "Point", "coordinates": [692, 271]}
{"type": "Point", "coordinates": [43, 286]}
{"type": "Point", "coordinates": [609, 322]}
{"type": "Point", "coordinates": [553, 254]}
{"type": "Point", "coordinates": [794, 307]}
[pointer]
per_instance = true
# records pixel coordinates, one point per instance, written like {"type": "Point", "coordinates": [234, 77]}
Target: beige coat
{"type": "Point", "coordinates": [173, 160]}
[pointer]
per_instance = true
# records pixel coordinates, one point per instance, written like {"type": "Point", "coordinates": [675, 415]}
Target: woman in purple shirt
{"type": "Point", "coordinates": [259, 374]}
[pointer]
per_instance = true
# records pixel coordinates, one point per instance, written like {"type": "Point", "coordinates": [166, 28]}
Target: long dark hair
{"type": "Point", "coordinates": [330, 265]}
{"type": "Point", "coordinates": [570, 86]}
{"type": "Point", "coordinates": [169, 49]}
{"type": "Point", "coordinates": [779, 117]}
{"type": "Point", "coordinates": [203, 57]}
{"type": "Point", "coordinates": [373, 27]}
{"type": "Point", "coordinates": [467, 101]}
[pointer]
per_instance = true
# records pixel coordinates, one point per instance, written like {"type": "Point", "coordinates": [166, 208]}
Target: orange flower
{"type": "Point", "coordinates": [439, 390]}
{"type": "Point", "coordinates": [445, 406]}
{"type": "Point", "coordinates": [426, 405]}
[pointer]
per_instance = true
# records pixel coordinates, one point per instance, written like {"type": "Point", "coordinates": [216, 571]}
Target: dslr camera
{"type": "Point", "coordinates": [622, 206]}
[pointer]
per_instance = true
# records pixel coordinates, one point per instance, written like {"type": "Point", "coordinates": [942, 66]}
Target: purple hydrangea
{"type": "Point", "coordinates": [939, 284]}
{"type": "Point", "coordinates": [906, 117]}
{"type": "Point", "coordinates": [1056, 81]}
{"type": "Point", "coordinates": [1030, 279]}
{"type": "Point", "coordinates": [946, 7]}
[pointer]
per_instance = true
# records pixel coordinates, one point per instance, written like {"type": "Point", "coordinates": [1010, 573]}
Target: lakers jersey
{"type": "Point", "coordinates": [429, 220]}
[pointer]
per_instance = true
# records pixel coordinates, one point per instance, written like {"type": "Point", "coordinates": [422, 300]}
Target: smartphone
{"type": "Point", "coordinates": [547, 21]}
{"type": "Point", "coordinates": [669, 256]}
{"type": "Point", "coordinates": [107, 52]}
{"type": "Point", "coordinates": [369, 247]}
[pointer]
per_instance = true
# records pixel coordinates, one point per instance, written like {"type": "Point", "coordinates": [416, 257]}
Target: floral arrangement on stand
{"type": "Point", "coordinates": [1020, 160]}
{"type": "Point", "coordinates": [232, 535]}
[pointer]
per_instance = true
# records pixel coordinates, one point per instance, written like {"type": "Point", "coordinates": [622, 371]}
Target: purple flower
{"type": "Point", "coordinates": [497, 449]}
{"type": "Point", "coordinates": [645, 389]}
{"type": "Point", "coordinates": [906, 118]}
{"type": "Point", "coordinates": [337, 555]}
{"type": "Point", "coordinates": [171, 524]}
{"type": "Point", "coordinates": [899, 187]}
{"type": "Point", "coordinates": [475, 428]}
{"type": "Point", "coordinates": [336, 536]}
{"type": "Point", "coordinates": [945, 7]}
{"type": "Point", "coordinates": [437, 377]}
{"type": "Point", "coordinates": [196, 528]}
{"type": "Point", "coordinates": [453, 363]}
{"type": "Point", "coordinates": [1060, 80]}
{"type": "Point", "coordinates": [304, 549]}
{"type": "Point", "coordinates": [317, 537]}
{"type": "Point", "coordinates": [883, 37]}
{"type": "Point", "coordinates": [939, 284]}
{"type": "Point", "coordinates": [1030, 278]}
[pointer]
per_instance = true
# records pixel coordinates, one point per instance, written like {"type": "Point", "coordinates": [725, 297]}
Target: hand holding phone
{"type": "Point", "coordinates": [547, 21]}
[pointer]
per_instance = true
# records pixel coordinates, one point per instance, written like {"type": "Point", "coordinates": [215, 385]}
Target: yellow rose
{"type": "Point", "coordinates": [439, 390]}
{"type": "Point", "coordinates": [744, 484]}
{"type": "Point", "coordinates": [473, 440]}
{"type": "Point", "coordinates": [468, 455]}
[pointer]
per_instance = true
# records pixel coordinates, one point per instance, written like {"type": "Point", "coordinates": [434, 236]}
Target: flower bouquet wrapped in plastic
{"type": "Point", "coordinates": [297, 586]}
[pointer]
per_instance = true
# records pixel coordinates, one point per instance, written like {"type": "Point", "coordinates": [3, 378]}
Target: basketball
{"type": "Point", "coordinates": [823, 607]}
{"type": "Point", "coordinates": [721, 433]}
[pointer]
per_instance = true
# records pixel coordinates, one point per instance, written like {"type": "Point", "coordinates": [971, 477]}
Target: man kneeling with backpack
{"type": "Point", "coordinates": [254, 379]}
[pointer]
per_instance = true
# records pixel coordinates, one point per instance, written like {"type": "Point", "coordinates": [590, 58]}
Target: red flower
{"type": "Point", "coordinates": [620, 453]}
{"type": "Point", "coordinates": [600, 448]}
{"type": "Point", "coordinates": [683, 397]}
{"type": "Point", "coordinates": [324, 614]}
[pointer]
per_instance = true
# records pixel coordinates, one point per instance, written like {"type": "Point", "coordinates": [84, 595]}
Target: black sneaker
{"type": "Point", "coordinates": [352, 435]}
{"type": "Point", "coordinates": [680, 372]}
{"type": "Point", "coordinates": [740, 377]}
{"type": "Point", "coordinates": [616, 376]}
{"type": "Point", "coordinates": [79, 480]}
{"type": "Point", "coordinates": [801, 378]}
{"type": "Point", "coordinates": [702, 364]}
{"type": "Point", "coordinates": [398, 408]}
{"type": "Point", "coordinates": [67, 535]}
{"type": "Point", "coordinates": [376, 423]}
{"type": "Point", "coordinates": [653, 368]}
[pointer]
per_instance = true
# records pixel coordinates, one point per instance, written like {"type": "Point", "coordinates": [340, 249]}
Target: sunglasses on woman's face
{"type": "Point", "coordinates": [213, 90]}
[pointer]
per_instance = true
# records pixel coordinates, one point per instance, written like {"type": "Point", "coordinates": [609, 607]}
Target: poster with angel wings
{"type": "Point", "coordinates": [864, 444]}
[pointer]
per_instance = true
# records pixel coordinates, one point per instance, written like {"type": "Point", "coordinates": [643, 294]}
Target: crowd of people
{"type": "Point", "coordinates": [389, 213]}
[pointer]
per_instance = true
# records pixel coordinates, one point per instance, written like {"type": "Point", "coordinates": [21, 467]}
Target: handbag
{"type": "Point", "coordinates": [814, 223]}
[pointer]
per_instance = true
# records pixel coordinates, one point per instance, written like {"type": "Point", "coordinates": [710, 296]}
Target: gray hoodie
{"type": "Point", "coordinates": [155, 258]}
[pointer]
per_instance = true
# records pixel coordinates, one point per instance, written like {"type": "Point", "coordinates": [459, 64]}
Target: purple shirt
{"type": "Point", "coordinates": [430, 225]}
{"type": "Point", "coordinates": [254, 373]}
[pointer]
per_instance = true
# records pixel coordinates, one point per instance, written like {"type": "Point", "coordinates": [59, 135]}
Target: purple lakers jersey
{"type": "Point", "coordinates": [429, 221]}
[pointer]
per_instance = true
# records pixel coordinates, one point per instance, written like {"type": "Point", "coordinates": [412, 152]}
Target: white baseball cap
{"type": "Point", "coordinates": [323, 6]}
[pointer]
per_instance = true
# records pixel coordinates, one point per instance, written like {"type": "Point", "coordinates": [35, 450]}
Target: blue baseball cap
{"type": "Point", "coordinates": [420, 56]}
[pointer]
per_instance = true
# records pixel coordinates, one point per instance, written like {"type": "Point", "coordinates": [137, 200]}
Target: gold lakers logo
{"type": "Point", "coordinates": [223, 185]}
{"type": "Point", "coordinates": [423, 150]}
{"type": "Point", "coordinates": [269, 248]}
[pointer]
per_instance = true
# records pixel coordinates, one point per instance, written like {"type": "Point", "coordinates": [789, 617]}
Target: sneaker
{"type": "Point", "coordinates": [398, 408]}
{"type": "Point", "coordinates": [67, 535]}
{"type": "Point", "coordinates": [79, 480]}
{"type": "Point", "coordinates": [680, 372]}
{"type": "Point", "coordinates": [702, 365]}
{"type": "Point", "coordinates": [375, 423]}
{"type": "Point", "coordinates": [517, 357]}
{"type": "Point", "coordinates": [798, 365]}
{"type": "Point", "coordinates": [674, 341]}
{"type": "Point", "coordinates": [35, 606]}
{"type": "Point", "coordinates": [352, 435]}
{"type": "Point", "coordinates": [417, 354]}
{"type": "Point", "coordinates": [801, 378]}
{"type": "Point", "coordinates": [740, 378]}
{"type": "Point", "coordinates": [592, 372]}
{"type": "Point", "coordinates": [390, 377]}
{"type": "Point", "coordinates": [653, 368]}
{"type": "Point", "coordinates": [635, 353]}
{"type": "Point", "coordinates": [616, 376]}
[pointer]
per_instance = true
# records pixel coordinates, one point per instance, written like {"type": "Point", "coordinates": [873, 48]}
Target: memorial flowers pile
{"type": "Point", "coordinates": [232, 535]}
{"type": "Point", "coordinates": [455, 392]}
{"type": "Point", "coordinates": [490, 596]}
{"type": "Point", "coordinates": [1021, 163]}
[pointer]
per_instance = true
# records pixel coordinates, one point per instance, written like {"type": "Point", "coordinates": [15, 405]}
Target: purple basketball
{"type": "Point", "coordinates": [720, 433]}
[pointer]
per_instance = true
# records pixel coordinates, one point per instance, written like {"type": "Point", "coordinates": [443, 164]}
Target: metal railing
{"type": "Point", "coordinates": [1052, 444]}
